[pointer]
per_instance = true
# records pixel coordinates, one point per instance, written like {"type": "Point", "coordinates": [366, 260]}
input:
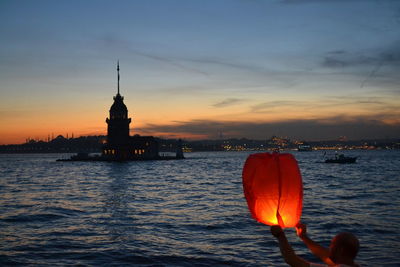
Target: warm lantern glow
{"type": "Point", "coordinates": [273, 188]}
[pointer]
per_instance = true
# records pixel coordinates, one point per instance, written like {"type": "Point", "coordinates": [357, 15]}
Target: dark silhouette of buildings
{"type": "Point", "coordinates": [120, 145]}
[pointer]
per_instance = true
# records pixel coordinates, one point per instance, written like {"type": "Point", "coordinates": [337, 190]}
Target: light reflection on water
{"type": "Point", "coordinates": [187, 212]}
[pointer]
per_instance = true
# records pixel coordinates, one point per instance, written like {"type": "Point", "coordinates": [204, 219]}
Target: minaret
{"type": "Point", "coordinates": [118, 123]}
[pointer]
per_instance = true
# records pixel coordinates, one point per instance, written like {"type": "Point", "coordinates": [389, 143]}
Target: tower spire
{"type": "Point", "coordinates": [118, 75]}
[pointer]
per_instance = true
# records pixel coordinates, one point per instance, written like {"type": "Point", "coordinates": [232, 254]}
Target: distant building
{"type": "Point", "coordinates": [120, 145]}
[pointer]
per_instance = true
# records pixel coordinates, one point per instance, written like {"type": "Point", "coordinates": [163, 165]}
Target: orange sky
{"type": "Point", "coordinates": [40, 121]}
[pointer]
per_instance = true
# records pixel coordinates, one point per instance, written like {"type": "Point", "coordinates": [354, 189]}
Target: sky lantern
{"type": "Point", "coordinates": [273, 188]}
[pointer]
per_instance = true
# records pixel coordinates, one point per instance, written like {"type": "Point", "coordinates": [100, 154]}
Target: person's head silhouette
{"type": "Point", "coordinates": [344, 248]}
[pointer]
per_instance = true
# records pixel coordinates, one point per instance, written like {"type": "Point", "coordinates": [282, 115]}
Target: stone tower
{"type": "Point", "coordinates": [118, 122]}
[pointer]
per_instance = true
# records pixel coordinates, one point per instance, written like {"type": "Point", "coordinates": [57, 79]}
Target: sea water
{"type": "Point", "coordinates": [189, 212]}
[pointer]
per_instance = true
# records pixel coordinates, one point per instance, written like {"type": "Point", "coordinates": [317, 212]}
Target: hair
{"type": "Point", "coordinates": [347, 243]}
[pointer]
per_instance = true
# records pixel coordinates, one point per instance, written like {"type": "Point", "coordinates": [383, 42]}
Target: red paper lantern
{"type": "Point", "coordinates": [273, 188]}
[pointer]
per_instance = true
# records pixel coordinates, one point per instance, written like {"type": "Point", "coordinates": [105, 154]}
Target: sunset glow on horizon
{"type": "Point", "coordinates": [308, 70]}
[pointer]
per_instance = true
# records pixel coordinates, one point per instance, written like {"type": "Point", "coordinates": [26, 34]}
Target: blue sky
{"type": "Point", "coordinates": [305, 69]}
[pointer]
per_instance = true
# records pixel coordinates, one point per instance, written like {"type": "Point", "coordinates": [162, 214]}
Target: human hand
{"type": "Point", "coordinates": [301, 230]}
{"type": "Point", "coordinates": [276, 230]}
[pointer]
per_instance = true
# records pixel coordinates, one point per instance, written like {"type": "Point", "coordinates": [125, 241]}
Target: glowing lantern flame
{"type": "Point", "coordinates": [273, 188]}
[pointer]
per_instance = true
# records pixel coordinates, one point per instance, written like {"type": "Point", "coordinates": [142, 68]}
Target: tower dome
{"type": "Point", "coordinates": [118, 109]}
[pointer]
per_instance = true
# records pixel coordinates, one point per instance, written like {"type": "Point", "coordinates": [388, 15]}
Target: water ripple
{"type": "Point", "coordinates": [185, 213]}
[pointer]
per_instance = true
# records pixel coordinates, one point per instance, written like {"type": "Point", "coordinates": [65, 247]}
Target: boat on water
{"type": "Point", "coordinates": [341, 159]}
{"type": "Point", "coordinates": [304, 147]}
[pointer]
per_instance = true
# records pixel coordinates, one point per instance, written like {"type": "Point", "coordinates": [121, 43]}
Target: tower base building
{"type": "Point", "coordinates": [120, 145]}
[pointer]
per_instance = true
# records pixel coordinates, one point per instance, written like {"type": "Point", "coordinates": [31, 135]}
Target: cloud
{"type": "Point", "coordinates": [122, 44]}
{"type": "Point", "coordinates": [345, 59]}
{"type": "Point", "coordinates": [214, 66]}
{"type": "Point", "coordinates": [226, 63]}
{"type": "Point", "coordinates": [170, 61]}
{"type": "Point", "coordinates": [355, 100]}
{"type": "Point", "coordinates": [389, 55]}
{"type": "Point", "coordinates": [267, 106]}
{"type": "Point", "coordinates": [228, 102]}
{"type": "Point", "coordinates": [329, 128]}
{"type": "Point", "coordinates": [382, 63]}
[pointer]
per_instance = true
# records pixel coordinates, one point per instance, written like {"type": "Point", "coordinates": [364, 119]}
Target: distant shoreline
{"type": "Point", "coordinates": [94, 144]}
